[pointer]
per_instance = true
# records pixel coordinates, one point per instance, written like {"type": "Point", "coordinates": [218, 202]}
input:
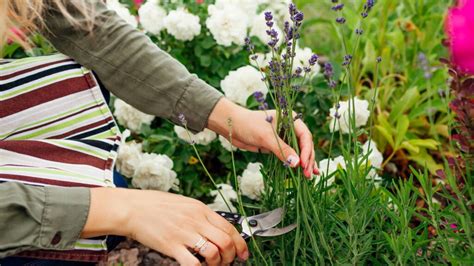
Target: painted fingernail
{"type": "Point", "coordinates": [245, 255]}
{"type": "Point", "coordinates": [316, 171]}
{"type": "Point", "coordinates": [292, 160]}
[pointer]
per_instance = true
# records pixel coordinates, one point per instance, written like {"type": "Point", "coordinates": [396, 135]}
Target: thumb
{"type": "Point", "coordinates": [284, 152]}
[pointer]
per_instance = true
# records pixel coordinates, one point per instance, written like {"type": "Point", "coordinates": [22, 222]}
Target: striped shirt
{"type": "Point", "coordinates": [55, 128]}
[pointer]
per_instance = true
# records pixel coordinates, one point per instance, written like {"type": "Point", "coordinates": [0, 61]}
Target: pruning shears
{"type": "Point", "coordinates": [259, 225]}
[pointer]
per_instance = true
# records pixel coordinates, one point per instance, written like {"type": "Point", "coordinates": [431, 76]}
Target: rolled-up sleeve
{"type": "Point", "coordinates": [132, 67]}
{"type": "Point", "coordinates": [33, 217]}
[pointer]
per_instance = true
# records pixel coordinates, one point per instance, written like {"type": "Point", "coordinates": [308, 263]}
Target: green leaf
{"type": "Point", "coordinates": [402, 127]}
{"type": "Point", "coordinates": [405, 103]}
{"type": "Point", "coordinates": [205, 60]}
{"type": "Point", "coordinates": [409, 147]}
{"type": "Point", "coordinates": [386, 134]}
{"type": "Point", "coordinates": [424, 143]}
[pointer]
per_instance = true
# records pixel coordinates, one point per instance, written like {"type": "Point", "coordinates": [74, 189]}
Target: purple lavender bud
{"type": "Point", "coordinates": [283, 102]}
{"type": "Point", "coordinates": [268, 16]}
{"type": "Point", "coordinates": [332, 84]}
{"type": "Point", "coordinates": [370, 4]}
{"type": "Point", "coordinates": [338, 7]}
{"type": "Point", "coordinates": [269, 119]}
{"type": "Point", "coordinates": [379, 59]}
{"type": "Point", "coordinates": [364, 14]}
{"type": "Point", "coordinates": [359, 31]}
{"type": "Point", "coordinates": [299, 17]}
{"type": "Point", "coordinates": [272, 43]}
{"type": "Point", "coordinates": [312, 61]}
{"type": "Point", "coordinates": [182, 119]}
{"type": "Point", "coordinates": [272, 33]}
{"type": "Point", "coordinates": [263, 106]}
{"type": "Point", "coordinates": [328, 70]}
{"type": "Point", "coordinates": [307, 69]}
{"type": "Point", "coordinates": [292, 9]}
{"type": "Point", "coordinates": [341, 20]}
{"type": "Point", "coordinates": [269, 24]}
{"type": "Point", "coordinates": [298, 71]}
{"type": "Point", "coordinates": [258, 95]}
{"type": "Point", "coordinates": [338, 105]}
{"type": "Point", "coordinates": [334, 1]}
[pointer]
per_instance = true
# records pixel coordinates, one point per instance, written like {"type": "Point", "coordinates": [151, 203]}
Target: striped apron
{"type": "Point", "coordinates": [56, 130]}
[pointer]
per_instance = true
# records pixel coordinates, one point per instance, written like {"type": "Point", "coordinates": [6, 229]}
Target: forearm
{"type": "Point", "coordinates": [132, 67]}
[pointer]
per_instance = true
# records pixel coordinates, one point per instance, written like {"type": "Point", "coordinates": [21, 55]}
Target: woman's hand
{"type": "Point", "coordinates": [169, 223]}
{"type": "Point", "coordinates": [252, 131]}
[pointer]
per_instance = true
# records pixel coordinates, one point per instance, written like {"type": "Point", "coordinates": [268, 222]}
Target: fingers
{"type": "Point", "coordinates": [238, 242]}
{"type": "Point", "coordinates": [211, 253]}
{"type": "Point", "coordinates": [184, 256]}
{"type": "Point", "coordinates": [282, 150]}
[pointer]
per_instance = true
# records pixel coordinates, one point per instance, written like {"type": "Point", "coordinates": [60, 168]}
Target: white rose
{"type": "Point", "coordinates": [151, 16]}
{"type": "Point", "coordinates": [375, 156]}
{"type": "Point", "coordinates": [227, 192]}
{"type": "Point", "coordinates": [302, 60]}
{"type": "Point", "coordinates": [248, 6]}
{"type": "Point", "coordinates": [239, 84]}
{"type": "Point", "coordinates": [345, 111]}
{"type": "Point", "coordinates": [203, 138]}
{"type": "Point", "coordinates": [227, 24]}
{"type": "Point", "coordinates": [122, 11]}
{"type": "Point", "coordinates": [279, 8]}
{"type": "Point", "coordinates": [251, 181]}
{"type": "Point", "coordinates": [155, 172]}
{"type": "Point", "coordinates": [328, 166]}
{"type": "Point", "coordinates": [129, 156]}
{"type": "Point", "coordinates": [183, 25]}
{"type": "Point", "coordinates": [130, 117]}
{"type": "Point", "coordinates": [259, 29]}
{"type": "Point", "coordinates": [226, 144]}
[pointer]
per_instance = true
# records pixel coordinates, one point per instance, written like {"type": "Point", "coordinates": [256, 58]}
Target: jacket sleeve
{"type": "Point", "coordinates": [31, 217]}
{"type": "Point", "coordinates": [132, 67]}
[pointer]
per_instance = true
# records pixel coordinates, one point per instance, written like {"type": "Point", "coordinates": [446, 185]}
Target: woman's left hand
{"type": "Point", "coordinates": [255, 131]}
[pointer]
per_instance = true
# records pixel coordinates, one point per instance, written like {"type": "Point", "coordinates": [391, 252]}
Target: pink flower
{"type": "Point", "coordinates": [460, 29]}
{"type": "Point", "coordinates": [138, 3]}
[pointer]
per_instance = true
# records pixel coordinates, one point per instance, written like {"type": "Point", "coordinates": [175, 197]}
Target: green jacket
{"type": "Point", "coordinates": [135, 70]}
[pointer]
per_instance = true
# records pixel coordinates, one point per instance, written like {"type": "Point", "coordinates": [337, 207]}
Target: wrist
{"type": "Point", "coordinates": [109, 213]}
{"type": "Point", "coordinates": [223, 112]}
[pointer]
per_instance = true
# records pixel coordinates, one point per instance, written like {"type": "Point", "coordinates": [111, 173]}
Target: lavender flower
{"type": "Point", "coordinates": [341, 20]}
{"type": "Point", "coordinates": [347, 60]}
{"type": "Point", "coordinates": [338, 7]}
{"type": "Point", "coordinates": [269, 119]}
{"type": "Point", "coordinates": [182, 119]}
{"type": "Point", "coordinates": [367, 7]}
{"type": "Point", "coordinates": [424, 64]}
{"type": "Point", "coordinates": [312, 61]}
{"type": "Point", "coordinates": [298, 17]}
{"type": "Point", "coordinates": [292, 9]}
{"type": "Point", "coordinates": [328, 70]}
{"type": "Point", "coordinates": [268, 16]}
{"type": "Point", "coordinates": [259, 97]}
{"type": "Point", "coordinates": [359, 31]}
{"type": "Point", "coordinates": [379, 59]}
{"type": "Point", "coordinates": [254, 57]}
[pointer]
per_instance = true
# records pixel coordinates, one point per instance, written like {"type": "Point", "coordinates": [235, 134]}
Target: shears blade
{"type": "Point", "coordinates": [276, 231]}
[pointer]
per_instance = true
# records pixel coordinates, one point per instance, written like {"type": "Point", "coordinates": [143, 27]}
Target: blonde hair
{"type": "Point", "coordinates": [28, 16]}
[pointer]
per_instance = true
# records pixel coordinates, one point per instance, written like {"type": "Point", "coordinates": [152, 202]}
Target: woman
{"type": "Point", "coordinates": [135, 70]}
